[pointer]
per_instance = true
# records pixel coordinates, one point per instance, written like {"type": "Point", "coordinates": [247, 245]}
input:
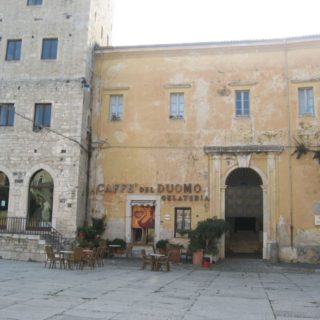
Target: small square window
{"type": "Point", "coordinates": [306, 102]}
{"type": "Point", "coordinates": [34, 2]}
{"type": "Point", "coordinates": [49, 49]}
{"type": "Point", "coordinates": [176, 106]}
{"type": "Point", "coordinates": [42, 116]}
{"type": "Point", "coordinates": [13, 50]}
{"type": "Point", "coordinates": [6, 114]}
{"type": "Point", "coordinates": [116, 104]}
{"type": "Point", "coordinates": [242, 103]}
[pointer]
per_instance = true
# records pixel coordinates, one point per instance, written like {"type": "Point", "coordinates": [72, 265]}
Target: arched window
{"type": "Point", "coordinates": [40, 198]}
{"type": "Point", "coordinates": [4, 198]}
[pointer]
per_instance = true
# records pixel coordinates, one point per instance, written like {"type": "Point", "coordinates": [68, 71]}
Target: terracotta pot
{"type": "Point", "coordinates": [197, 257]}
{"type": "Point", "coordinates": [175, 255]}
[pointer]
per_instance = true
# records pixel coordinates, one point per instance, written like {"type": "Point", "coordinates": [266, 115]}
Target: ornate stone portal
{"type": "Point", "coordinates": [263, 160]}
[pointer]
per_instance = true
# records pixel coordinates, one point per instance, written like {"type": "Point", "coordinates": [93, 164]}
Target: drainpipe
{"type": "Point", "coordinates": [289, 143]}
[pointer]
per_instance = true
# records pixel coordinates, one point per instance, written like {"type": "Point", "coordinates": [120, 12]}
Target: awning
{"type": "Point", "coordinates": [143, 203]}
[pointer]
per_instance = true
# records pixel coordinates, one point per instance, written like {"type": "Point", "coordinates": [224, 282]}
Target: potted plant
{"type": "Point", "coordinates": [205, 237]}
{"type": "Point", "coordinates": [161, 245]}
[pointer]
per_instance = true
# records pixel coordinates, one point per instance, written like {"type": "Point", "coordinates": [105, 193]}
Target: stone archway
{"type": "Point", "coordinates": [40, 199]}
{"type": "Point", "coordinates": [4, 198]}
{"type": "Point", "coordinates": [244, 212]}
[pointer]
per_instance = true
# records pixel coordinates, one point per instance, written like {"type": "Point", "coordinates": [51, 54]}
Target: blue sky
{"type": "Point", "coordinates": [179, 21]}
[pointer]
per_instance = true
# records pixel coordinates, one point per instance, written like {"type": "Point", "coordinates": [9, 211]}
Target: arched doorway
{"type": "Point", "coordinates": [40, 199]}
{"type": "Point", "coordinates": [244, 213]}
{"type": "Point", "coordinates": [4, 199]}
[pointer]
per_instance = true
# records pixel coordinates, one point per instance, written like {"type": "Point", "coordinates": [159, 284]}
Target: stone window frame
{"type": "Point", "coordinates": [34, 2]}
{"type": "Point", "coordinates": [303, 100]}
{"type": "Point", "coordinates": [177, 105]}
{"type": "Point", "coordinates": [44, 111]}
{"type": "Point", "coordinates": [49, 49]}
{"type": "Point", "coordinates": [13, 52]}
{"type": "Point", "coordinates": [7, 120]}
{"type": "Point", "coordinates": [241, 110]}
{"type": "Point", "coordinates": [186, 211]}
{"type": "Point", "coordinates": [116, 107]}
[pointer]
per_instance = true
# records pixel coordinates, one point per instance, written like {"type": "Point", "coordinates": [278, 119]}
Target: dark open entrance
{"type": "Point", "coordinates": [4, 199]}
{"type": "Point", "coordinates": [244, 213]}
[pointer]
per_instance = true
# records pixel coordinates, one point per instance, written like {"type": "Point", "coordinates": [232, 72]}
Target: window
{"type": "Point", "coordinates": [42, 116]}
{"type": "Point", "coordinates": [242, 103]}
{"type": "Point", "coordinates": [182, 221]}
{"type": "Point", "coordinates": [306, 105]}
{"type": "Point", "coordinates": [176, 106]}
{"type": "Point", "coordinates": [49, 49]}
{"type": "Point", "coordinates": [34, 2]}
{"type": "Point", "coordinates": [13, 50]}
{"type": "Point", "coordinates": [116, 107]}
{"type": "Point", "coordinates": [6, 115]}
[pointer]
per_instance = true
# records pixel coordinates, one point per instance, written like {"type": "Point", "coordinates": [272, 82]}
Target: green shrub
{"type": "Point", "coordinates": [162, 244]}
{"type": "Point", "coordinates": [206, 235]}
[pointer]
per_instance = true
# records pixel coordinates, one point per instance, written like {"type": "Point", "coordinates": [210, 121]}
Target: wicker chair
{"type": "Point", "coordinates": [163, 262]}
{"type": "Point", "coordinates": [53, 258]}
{"type": "Point", "coordinates": [129, 250]}
{"type": "Point", "coordinates": [76, 259]}
{"type": "Point", "coordinates": [100, 256]}
{"type": "Point", "coordinates": [146, 260]}
{"type": "Point", "coordinates": [90, 258]}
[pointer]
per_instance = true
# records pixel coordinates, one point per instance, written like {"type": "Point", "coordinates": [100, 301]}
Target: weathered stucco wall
{"type": "Point", "coordinates": [147, 147]}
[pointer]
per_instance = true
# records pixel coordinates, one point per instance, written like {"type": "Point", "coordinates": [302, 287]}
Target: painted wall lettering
{"type": "Point", "coordinates": [168, 191]}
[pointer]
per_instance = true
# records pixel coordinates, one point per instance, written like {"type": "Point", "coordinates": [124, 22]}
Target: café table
{"type": "Point", "coordinates": [64, 254]}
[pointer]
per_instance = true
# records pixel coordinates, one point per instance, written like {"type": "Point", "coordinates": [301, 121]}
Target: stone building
{"type": "Point", "coordinates": [182, 133]}
{"type": "Point", "coordinates": [46, 61]}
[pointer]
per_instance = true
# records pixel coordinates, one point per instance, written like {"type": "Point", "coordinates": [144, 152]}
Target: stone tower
{"type": "Point", "coordinates": [46, 62]}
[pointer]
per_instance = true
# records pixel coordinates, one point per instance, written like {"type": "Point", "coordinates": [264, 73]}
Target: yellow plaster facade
{"type": "Point", "coordinates": [149, 155]}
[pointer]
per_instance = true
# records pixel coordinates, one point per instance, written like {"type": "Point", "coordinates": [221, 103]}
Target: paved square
{"type": "Point", "coordinates": [233, 289]}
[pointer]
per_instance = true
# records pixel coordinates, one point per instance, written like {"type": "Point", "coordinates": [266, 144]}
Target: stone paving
{"type": "Point", "coordinates": [233, 289]}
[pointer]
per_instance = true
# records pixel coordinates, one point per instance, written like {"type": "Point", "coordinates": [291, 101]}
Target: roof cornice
{"type": "Point", "coordinates": [209, 45]}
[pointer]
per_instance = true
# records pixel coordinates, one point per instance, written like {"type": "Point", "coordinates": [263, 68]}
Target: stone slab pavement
{"type": "Point", "coordinates": [120, 290]}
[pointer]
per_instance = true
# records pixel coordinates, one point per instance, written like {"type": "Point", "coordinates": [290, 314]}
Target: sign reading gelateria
{"type": "Point", "coordinates": [168, 192]}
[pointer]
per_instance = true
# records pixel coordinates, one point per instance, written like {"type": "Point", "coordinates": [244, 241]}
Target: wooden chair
{"type": "Point", "coordinates": [129, 250]}
{"type": "Point", "coordinates": [90, 258]}
{"type": "Point", "coordinates": [163, 262]}
{"type": "Point", "coordinates": [100, 256]}
{"type": "Point", "coordinates": [146, 260]}
{"type": "Point", "coordinates": [76, 259]}
{"type": "Point", "coordinates": [52, 258]}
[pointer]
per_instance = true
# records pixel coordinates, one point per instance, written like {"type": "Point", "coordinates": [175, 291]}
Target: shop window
{"type": "Point", "coordinates": [176, 106]}
{"type": "Point", "coordinates": [306, 102]}
{"type": "Point", "coordinates": [242, 103]}
{"type": "Point", "coordinates": [143, 220]}
{"type": "Point", "coordinates": [182, 221]}
{"type": "Point", "coordinates": [116, 106]}
{"type": "Point", "coordinates": [40, 199]}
